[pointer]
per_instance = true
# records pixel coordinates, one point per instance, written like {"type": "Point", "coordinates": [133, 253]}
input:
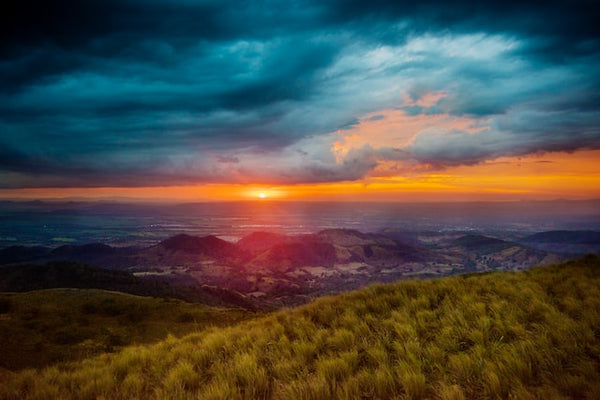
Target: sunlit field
{"type": "Point", "coordinates": [524, 335]}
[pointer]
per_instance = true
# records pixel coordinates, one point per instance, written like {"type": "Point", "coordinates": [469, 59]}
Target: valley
{"type": "Point", "coordinates": [266, 270]}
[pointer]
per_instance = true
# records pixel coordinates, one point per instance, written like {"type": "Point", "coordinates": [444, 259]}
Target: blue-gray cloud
{"type": "Point", "coordinates": [152, 92]}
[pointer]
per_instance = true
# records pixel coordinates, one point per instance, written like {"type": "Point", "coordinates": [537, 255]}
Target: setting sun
{"type": "Point", "coordinates": [262, 195]}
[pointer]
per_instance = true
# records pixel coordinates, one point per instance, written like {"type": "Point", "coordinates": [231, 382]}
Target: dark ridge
{"type": "Point", "coordinates": [17, 254]}
{"type": "Point", "coordinates": [58, 274]}
{"type": "Point", "coordinates": [91, 249]}
{"type": "Point", "coordinates": [481, 243]}
{"type": "Point", "coordinates": [566, 237]}
{"type": "Point", "coordinates": [206, 245]}
{"type": "Point", "coordinates": [24, 278]}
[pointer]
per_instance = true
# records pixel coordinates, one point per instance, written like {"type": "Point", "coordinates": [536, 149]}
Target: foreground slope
{"type": "Point", "coordinates": [44, 327]}
{"type": "Point", "coordinates": [525, 335]}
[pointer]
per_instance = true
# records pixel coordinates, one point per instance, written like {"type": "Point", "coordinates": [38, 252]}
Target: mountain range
{"type": "Point", "coordinates": [266, 269]}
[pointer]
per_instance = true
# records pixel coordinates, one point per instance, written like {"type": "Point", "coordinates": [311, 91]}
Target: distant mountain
{"type": "Point", "coordinates": [327, 248]}
{"type": "Point", "coordinates": [286, 256]}
{"type": "Point", "coordinates": [210, 246]}
{"type": "Point", "coordinates": [401, 236]}
{"type": "Point", "coordinates": [571, 243]}
{"type": "Point", "coordinates": [483, 253]}
{"type": "Point", "coordinates": [482, 244]}
{"type": "Point", "coordinates": [351, 237]}
{"type": "Point", "coordinates": [368, 247]}
{"type": "Point", "coordinates": [258, 242]}
{"type": "Point", "coordinates": [274, 269]}
{"type": "Point", "coordinates": [86, 249]}
{"type": "Point", "coordinates": [566, 237]}
{"type": "Point", "coordinates": [271, 251]}
{"type": "Point", "coordinates": [186, 250]}
{"type": "Point", "coordinates": [176, 249]}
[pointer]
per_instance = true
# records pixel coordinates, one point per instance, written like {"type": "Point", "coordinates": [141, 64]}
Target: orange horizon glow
{"type": "Point", "coordinates": [535, 177]}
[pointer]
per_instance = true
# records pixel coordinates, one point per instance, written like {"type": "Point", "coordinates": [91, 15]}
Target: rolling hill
{"type": "Point", "coordinates": [268, 270]}
{"type": "Point", "coordinates": [566, 242]}
{"type": "Point", "coordinates": [524, 335]}
{"type": "Point", "coordinates": [324, 248]}
{"type": "Point", "coordinates": [57, 274]}
{"type": "Point", "coordinates": [208, 246]}
{"type": "Point", "coordinates": [484, 253]}
{"type": "Point", "coordinates": [482, 244]}
{"type": "Point", "coordinates": [257, 242]}
{"type": "Point", "coordinates": [45, 327]}
{"type": "Point", "coordinates": [571, 237]}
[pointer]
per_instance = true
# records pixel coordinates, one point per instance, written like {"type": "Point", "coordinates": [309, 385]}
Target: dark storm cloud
{"type": "Point", "coordinates": [143, 92]}
{"type": "Point", "coordinates": [134, 30]}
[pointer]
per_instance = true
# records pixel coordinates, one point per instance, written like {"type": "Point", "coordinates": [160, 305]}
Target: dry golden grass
{"type": "Point", "coordinates": [526, 335]}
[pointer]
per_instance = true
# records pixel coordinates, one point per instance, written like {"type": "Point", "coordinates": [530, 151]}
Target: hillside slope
{"type": "Point", "coordinates": [526, 335]}
{"type": "Point", "coordinates": [44, 327]}
{"type": "Point", "coordinates": [57, 274]}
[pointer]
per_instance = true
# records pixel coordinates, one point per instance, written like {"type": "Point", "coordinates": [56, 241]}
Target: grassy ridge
{"type": "Point", "coordinates": [526, 335]}
{"type": "Point", "coordinates": [48, 326]}
{"type": "Point", "coordinates": [65, 274]}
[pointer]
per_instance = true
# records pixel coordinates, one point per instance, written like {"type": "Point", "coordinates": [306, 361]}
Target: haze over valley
{"type": "Point", "coordinates": [266, 255]}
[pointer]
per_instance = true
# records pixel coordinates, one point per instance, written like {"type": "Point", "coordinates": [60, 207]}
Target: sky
{"type": "Point", "coordinates": [312, 100]}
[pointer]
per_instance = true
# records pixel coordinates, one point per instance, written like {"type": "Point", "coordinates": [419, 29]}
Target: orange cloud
{"type": "Point", "coordinates": [395, 128]}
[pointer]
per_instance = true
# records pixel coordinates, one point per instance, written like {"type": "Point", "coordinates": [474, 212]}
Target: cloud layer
{"type": "Point", "coordinates": [153, 92]}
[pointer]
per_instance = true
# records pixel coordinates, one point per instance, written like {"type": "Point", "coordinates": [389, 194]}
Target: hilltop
{"type": "Point", "coordinates": [526, 335]}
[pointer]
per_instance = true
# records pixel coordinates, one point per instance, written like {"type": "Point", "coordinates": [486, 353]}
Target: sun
{"type": "Point", "coordinates": [263, 193]}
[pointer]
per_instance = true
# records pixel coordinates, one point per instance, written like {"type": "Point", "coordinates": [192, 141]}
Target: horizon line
{"type": "Point", "coordinates": [171, 201]}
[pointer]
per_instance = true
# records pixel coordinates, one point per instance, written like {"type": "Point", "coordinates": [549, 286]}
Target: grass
{"type": "Point", "coordinates": [525, 335]}
{"type": "Point", "coordinates": [44, 327]}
